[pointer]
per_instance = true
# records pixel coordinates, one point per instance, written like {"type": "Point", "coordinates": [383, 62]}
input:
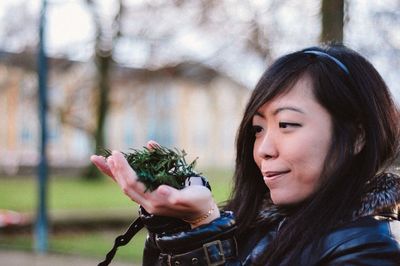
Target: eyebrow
{"type": "Point", "coordinates": [290, 108]}
{"type": "Point", "coordinates": [280, 109]}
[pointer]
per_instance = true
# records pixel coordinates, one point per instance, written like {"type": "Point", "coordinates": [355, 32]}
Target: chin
{"type": "Point", "coordinates": [284, 200]}
{"type": "Point", "coordinates": [279, 201]}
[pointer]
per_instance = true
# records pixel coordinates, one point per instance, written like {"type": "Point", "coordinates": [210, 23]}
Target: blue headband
{"type": "Point", "coordinates": [340, 64]}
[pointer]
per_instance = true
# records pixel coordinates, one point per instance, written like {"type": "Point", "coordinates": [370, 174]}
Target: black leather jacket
{"type": "Point", "coordinates": [372, 237]}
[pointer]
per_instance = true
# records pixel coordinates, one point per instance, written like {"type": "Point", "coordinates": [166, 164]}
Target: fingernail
{"type": "Point", "coordinates": [164, 190]}
{"type": "Point", "coordinates": [110, 162]}
{"type": "Point", "coordinates": [153, 143]}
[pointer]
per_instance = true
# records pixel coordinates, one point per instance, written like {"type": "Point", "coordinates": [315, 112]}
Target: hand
{"type": "Point", "coordinates": [101, 162]}
{"type": "Point", "coordinates": [189, 203]}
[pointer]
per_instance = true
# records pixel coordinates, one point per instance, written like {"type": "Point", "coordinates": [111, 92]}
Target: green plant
{"type": "Point", "coordinates": [160, 165]}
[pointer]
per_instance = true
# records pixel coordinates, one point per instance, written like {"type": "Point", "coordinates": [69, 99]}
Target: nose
{"type": "Point", "coordinates": [266, 147]}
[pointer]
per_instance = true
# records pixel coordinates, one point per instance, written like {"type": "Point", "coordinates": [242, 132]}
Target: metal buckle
{"type": "Point", "coordinates": [220, 253]}
{"type": "Point", "coordinates": [169, 257]}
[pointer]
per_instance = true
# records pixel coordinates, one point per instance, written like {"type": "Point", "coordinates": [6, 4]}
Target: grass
{"type": "Point", "coordinates": [71, 193]}
{"type": "Point", "coordinates": [64, 193]}
{"type": "Point", "coordinates": [19, 193]}
{"type": "Point", "coordinates": [84, 244]}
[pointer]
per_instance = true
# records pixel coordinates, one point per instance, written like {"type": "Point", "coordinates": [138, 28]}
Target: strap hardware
{"type": "Point", "coordinates": [214, 253]}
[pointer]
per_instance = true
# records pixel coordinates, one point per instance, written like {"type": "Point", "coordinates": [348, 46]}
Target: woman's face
{"type": "Point", "coordinates": [293, 133]}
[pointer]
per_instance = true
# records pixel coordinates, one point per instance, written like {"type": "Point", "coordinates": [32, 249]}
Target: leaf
{"type": "Point", "coordinates": [159, 165]}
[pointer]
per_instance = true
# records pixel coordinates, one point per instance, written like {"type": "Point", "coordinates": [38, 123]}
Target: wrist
{"type": "Point", "coordinates": [211, 214]}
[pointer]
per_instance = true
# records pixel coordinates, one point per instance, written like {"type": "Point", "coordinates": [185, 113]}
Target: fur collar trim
{"type": "Point", "coordinates": [270, 214]}
{"type": "Point", "coordinates": [382, 197]}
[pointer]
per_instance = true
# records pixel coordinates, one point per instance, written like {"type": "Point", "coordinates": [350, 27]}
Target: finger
{"type": "Point", "coordinates": [151, 145]}
{"type": "Point", "coordinates": [122, 166]}
{"type": "Point", "coordinates": [101, 164]}
{"type": "Point", "coordinates": [115, 172]}
{"type": "Point", "coordinates": [126, 177]}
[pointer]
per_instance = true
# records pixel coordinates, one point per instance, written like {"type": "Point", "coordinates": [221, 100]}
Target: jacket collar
{"type": "Point", "coordinates": [382, 197]}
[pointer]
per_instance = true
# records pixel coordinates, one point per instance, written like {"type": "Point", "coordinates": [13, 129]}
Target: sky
{"type": "Point", "coordinates": [70, 26]}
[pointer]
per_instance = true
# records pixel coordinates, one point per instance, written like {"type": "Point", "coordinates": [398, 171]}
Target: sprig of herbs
{"type": "Point", "coordinates": [160, 165]}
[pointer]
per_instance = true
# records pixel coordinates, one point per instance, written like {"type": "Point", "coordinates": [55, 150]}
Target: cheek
{"type": "Point", "coordinates": [307, 157]}
{"type": "Point", "coordinates": [256, 159]}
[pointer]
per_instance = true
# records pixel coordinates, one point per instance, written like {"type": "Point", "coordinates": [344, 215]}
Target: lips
{"type": "Point", "coordinates": [274, 174]}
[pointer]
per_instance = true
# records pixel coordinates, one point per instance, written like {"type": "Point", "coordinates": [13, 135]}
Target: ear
{"type": "Point", "coordinates": [360, 141]}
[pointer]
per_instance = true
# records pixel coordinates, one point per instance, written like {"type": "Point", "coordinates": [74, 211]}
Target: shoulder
{"type": "Point", "coordinates": [372, 237]}
{"type": "Point", "coordinates": [373, 240]}
{"type": "Point", "coordinates": [366, 229]}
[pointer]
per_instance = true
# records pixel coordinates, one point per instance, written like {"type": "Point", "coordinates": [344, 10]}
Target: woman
{"type": "Point", "coordinates": [317, 136]}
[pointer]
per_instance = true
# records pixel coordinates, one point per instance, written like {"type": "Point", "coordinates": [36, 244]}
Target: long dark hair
{"type": "Point", "coordinates": [363, 114]}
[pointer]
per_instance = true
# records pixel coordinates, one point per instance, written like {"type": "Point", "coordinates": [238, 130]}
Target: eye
{"type": "Point", "coordinates": [287, 125]}
{"type": "Point", "coordinates": [256, 129]}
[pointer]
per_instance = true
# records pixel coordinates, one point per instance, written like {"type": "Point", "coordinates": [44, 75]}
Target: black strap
{"type": "Point", "coordinates": [122, 240]}
{"type": "Point", "coordinates": [214, 253]}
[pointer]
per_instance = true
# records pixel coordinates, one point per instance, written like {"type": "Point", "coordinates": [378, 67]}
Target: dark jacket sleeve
{"type": "Point", "coordinates": [212, 243]}
{"type": "Point", "coordinates": [367, 246]}
{"type": "Point", "coordinates": [150, 252]}
{"type": "Point", "coordinates": [155, 225]}
{"type": "Point", "coordinates": [367, 250]}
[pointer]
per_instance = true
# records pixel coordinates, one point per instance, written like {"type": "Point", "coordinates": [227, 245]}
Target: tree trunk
{"type": "Point", "coordinates": [332, 14]}
{"type": "Point", "coordinates": [103, 60]}
{"type": "Point", "coordinates": [103, 63]}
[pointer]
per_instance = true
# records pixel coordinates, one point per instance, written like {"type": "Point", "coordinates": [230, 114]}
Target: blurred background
{"type": "Point", "coordinates": [78, 76]}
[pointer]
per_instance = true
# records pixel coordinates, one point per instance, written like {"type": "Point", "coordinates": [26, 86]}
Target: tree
{"type": "Point", "coordinates": [107, 32]}
{"type": "Point", "coordinates": [332, 15]}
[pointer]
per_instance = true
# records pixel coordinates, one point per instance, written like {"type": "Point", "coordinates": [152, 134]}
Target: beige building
{"type": "Point", "coordinates": [188, 106]}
